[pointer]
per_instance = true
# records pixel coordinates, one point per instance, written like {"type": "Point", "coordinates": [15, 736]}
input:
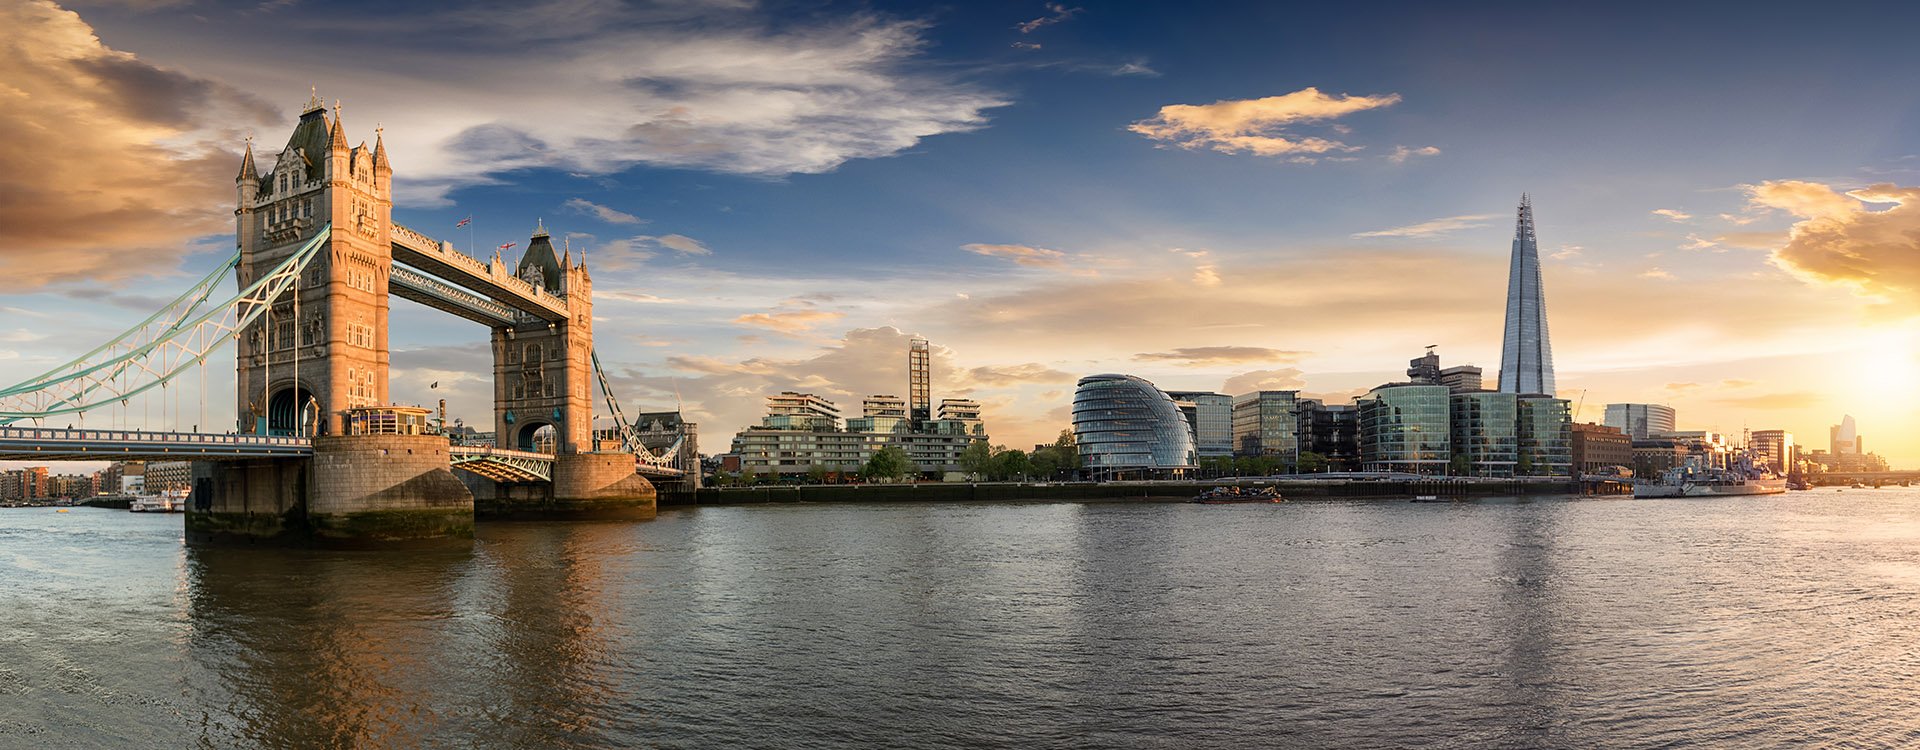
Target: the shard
{"type": "Point", "coordinates": [1526, 357]}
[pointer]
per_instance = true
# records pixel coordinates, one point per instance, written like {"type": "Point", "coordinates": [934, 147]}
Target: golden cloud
{"type": "Point", "coordinates": [1205, 356]}
{"type": "Point", "coordinates": [1838, 240]}
{"type": "Point", "coordinates": [1258, 126]}
{"type": "Point", "coordinates": [792, 321]}
{"type": "Point", "coordinates": [109, 166]}
{"type": "Point", "coordinates": [1284, 379]}
{"type": "Point", "coordinates": [1032, 257]}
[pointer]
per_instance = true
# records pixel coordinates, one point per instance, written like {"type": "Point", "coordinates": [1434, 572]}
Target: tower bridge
{"type": "Point", "coordinates": [319, 451]}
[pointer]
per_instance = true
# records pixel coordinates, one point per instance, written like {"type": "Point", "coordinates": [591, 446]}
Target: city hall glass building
{"type": "Point", "coordinates": [1129, 429]}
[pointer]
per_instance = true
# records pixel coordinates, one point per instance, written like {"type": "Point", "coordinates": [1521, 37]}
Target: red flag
{"type": "Point", "coordinates": [463, 222]}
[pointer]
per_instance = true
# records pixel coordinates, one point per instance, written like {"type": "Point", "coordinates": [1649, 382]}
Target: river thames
{"type": "Point", "coordinates": [1780, 621]}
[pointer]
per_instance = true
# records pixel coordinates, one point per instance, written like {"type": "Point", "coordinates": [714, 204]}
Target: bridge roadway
{"type": "Point", "coordinates": [472, 289]}
{"type": "Point", "coordinates": [88, 444]}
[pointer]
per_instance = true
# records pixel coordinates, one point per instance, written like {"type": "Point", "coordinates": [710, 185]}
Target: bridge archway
{"type": "Point", "coordinates": [535, 436]}
{"type": "Point", "coordinates": [289, 411]}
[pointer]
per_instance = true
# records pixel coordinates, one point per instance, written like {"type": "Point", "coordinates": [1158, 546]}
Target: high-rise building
{"type": "Point", "coordinates": [881, 413]}
{"type": "Point", "coordinates": [1844, 437]}
{"type": "Point", "coordinates": [1526, 356]}
{"type": "Point", "coordinates": [920, 381]}
{"type": "Point", "coordinates": [1640, 421]}
{"type": "Point", "coordinates": [1212, 421]}
{"type": "Point", "coordinates": [1773, 449]}
{"type": "Point", "coordinates": [1128, 428]}
{"type": "Point", "coordinates": [1425, 370]}
{"type": "Point", "coordinates": [800, 411]}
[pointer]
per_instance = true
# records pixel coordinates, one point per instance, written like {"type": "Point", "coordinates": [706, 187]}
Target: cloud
{"type": "Point", "coordinates": [1032, 257]}
{"type": "Point", "coordinates": [1004, 375]}
{"type": "Point", "coordinates": [1402, 153]}
{"type": "Point", "coordinates": [1207, 356]}
{"type": "Point", "coordinates": [1567, 252]}
{"type": "Point", "coordinates": [1136, 68]}
{"type": "Point", "coordinates": [639, 297]}
{"type": "Point", "coordinates": [790, 321]}
{"type": "Point", "coordinates": [1026, 45]}
{"type": "Point", "coordinates": [1838, 240]}
{"type": "Point", "coordinates": [609, 215]}
{"type": "Point", "coordinates": [1656, 272]}
{"type": "Point", "coordinates": [1259, 126]}
{"type": "Point", "coordinates": [1773, 401]}
{"type": "Point", "coordinates": [106, 158]}
{"type": "Point", "coordinates": [1285, 379]}
{"type": "Point", "coordinates": [1752, 240]}
{"type": "Point", "coordinates": [1696, 242]}
{"type": "Point", "coordinates": [1672, 214]}
{"type": "Point", "coordinates": [1057, 14]}
{"type": "Point", "coordinates": [680, 243]}
{"type": "Point", "coordinates": [1433, 227]}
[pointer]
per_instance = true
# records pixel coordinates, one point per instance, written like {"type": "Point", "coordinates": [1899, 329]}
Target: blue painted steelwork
{"type": "Point", "coordinates": [162, 347]}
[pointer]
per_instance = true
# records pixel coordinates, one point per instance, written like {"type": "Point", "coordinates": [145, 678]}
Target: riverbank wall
{"type": "Point", "coordinates": [1105, 491]}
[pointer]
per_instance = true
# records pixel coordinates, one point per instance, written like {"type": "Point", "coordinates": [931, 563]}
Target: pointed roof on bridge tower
{"type": "Point", "coordinates": [540, 255]}
{"type": "Point", "coordinates": [247, 170]}
{"type": "Point", "coordinates": [337, 137]}
{"type": "Point", "coordinates": [380, 149]}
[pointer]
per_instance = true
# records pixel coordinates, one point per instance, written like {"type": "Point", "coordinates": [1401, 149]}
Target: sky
{"type": "Point", "coordinates": [1235, 196]}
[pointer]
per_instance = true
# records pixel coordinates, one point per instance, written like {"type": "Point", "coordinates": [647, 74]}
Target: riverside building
{"type": "Point", "coordinates": [1212, 420]}
{"type": "Point", "coordinates": [1331, 430]}
{"type": "Point", "coordinates": [1405, 427]}
{"type": "Point", "coordinates": [803, 430]}
{"type": "Point", "coordinates": [1599, 449]}
{"type": "Point", "coordinates": [1129, 429]}
{"type": "Point", "coordinates": [1265, 423]}
{"type": "Point", "coordinates": [1640, 421]}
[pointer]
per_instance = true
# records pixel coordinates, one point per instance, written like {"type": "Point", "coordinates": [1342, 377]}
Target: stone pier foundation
{"type": "Point", "coordinates": [357, 490]}
{"type": "Point", "coordinates": [585, 486]}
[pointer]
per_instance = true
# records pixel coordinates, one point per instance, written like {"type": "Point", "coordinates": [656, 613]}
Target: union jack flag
{"type": "Point", "coordinates": [463, 222]}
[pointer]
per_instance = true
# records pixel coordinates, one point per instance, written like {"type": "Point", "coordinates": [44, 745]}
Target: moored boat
{"type": "Point", "coordinates": [1237, 495]}
{"type": "Point", "coordinates": [1697, 481]}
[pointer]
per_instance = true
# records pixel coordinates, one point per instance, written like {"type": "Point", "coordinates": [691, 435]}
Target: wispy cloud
{"type": "Point", "coordinates": [1264, 127]}
{"type": "Point", "coordinates": [1656, 272]}
{"type": "Point", "coordinates": [1056, 13]}
{"type": "Point", "coordinates": [1433, 227]}
{"type": "Point", "coordinates": [789, 321]}
{"type": "Point", "coordinates": [1697, 242]}
{"type": "Point", "coordinates": [1672, 214]}
{"type": "Point", "coordinates": [1136, 68]}
{"type": "Point", "coordinates": [1207, 356]}
{"type": "Point", "coordinates": [1032, 257]}
{"type": "Point", "coordinates": [1402, 153]}
{"type": "Point", "coordinates": [609, 215]}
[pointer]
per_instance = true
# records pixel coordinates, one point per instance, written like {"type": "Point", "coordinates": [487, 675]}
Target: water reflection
{"type": "Point", "coordinates": [508, 642]}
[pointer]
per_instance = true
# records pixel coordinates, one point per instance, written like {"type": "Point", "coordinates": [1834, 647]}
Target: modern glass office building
{"type": "Point", "coordinates": [1545, 435]}
{"type": "Point", "coordinates": [1485, 433]}
{"type": "Point", "coordinates": [1128, 428]}
{"type": "Point", "coordinates": [1265, 423]}
{"type": "Point", "coordinates": [1640, 421]}
{"type": "Point", "coordinates": [1212, 421]}
{"type": "Point", "coordinates": [1526, 354]}
{"type": "Point", "coordinates": [1405, 428]}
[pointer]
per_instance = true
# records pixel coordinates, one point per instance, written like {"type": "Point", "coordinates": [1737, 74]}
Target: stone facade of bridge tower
{"type": "Point", "coordinates": [304, 364]}
{"type": "Point", "coordinates": [543, 401]}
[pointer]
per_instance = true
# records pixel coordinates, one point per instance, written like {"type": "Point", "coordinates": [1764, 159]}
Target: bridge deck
{"type": "Point", "coordinates": [85, 444]}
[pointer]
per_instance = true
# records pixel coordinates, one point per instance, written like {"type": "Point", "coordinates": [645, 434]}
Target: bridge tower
{"type": "Point", "coordinates": [542, 370]}
{"type": "Point", "coordinates": [323, 349]}
{"type": "Point", "coordinates": [319, 352]}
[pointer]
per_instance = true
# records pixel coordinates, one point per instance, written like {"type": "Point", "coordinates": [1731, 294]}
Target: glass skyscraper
{"type": "Point", "coordinates": [1526, 356]}
{"type": "Point", "coordinates": [1405, 427]}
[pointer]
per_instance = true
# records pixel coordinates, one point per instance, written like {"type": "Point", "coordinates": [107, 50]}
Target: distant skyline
{"type": "Point", "coordinates": [778, 196]}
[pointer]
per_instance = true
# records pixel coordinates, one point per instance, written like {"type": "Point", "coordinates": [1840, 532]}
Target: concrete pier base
{"type": "Point", "coordinates": [357, 490]}
{"type": "Point", "coordinates": [585, 486]}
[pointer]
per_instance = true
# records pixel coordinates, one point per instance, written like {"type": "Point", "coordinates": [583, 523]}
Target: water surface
{"type": "Point", "coordinates": [1742, 622]}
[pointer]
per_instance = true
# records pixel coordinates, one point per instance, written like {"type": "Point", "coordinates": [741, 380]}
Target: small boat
{"type": "Point", "coordinates": [1426, 498]}
{"type": "Point", "coordinates": [59, 510]}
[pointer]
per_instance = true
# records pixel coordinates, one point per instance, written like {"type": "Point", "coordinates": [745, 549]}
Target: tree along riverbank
{"type": "Point", "coordinates": [1109, 491]}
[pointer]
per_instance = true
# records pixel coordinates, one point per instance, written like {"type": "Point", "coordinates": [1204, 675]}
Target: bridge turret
{"type": "Point", "coordinates": [382, 170]}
